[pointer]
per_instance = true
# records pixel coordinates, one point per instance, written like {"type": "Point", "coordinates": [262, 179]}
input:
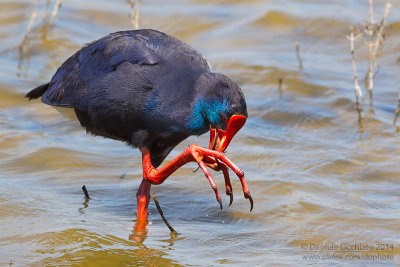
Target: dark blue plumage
{"type": "Point", "coordinates": [143, 87]}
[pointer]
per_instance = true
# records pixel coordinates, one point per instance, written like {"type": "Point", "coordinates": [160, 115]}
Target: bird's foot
{"type": "Point", "coordinates": [216, 165]}
{"type": "Point", "coordinates": [219, 161]}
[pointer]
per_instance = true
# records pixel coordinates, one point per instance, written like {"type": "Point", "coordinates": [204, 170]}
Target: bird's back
{"type": "Point", "coordinates": [124, 75]}
{"type": "Point", "coordinates": [72, 82]}
{"type": "Point", "coordinates": [134, 86]}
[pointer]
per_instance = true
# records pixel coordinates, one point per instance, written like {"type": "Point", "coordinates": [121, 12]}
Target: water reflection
{"type": "Point", "coordinates": [140, 231]}
{"type": "Point", "coordinates": [85, 205]}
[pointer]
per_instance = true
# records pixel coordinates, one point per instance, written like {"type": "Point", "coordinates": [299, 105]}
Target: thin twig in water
{"type": "Point", "coordinates": [357, 88]}
{"type": "Point", "coordinates": [54, 13]}
{"type": "Point", "coordinates": [375, 33]}
{"type": "Point", "coordinates": [162, 215]}
{"type": "Point", "coordinates": [370, 33]}
{"type": "Point", "coordinates": [280, 87]}
{"type": "Point", "coordinates": [396, 114]}
{"type": "Point", "coordinates": [28, 31]}
{"type": "Point", "coordinates": [135, 12]}
{"type": "Point", "coordinates": [298, 55]}
{"type": "Point", "coordinates": [45, 15]}
{"type": "Point", "coordinates": [85, 192]}
{"type": "Point", "coordinates": [380, 37]}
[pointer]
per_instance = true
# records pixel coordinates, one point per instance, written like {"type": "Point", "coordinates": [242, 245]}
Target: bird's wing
{"type": "Point", "coordinates": [68, 86]}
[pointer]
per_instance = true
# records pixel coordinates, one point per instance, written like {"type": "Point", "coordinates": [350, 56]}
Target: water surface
{"type": "Point", "coordinates": [317, 177]}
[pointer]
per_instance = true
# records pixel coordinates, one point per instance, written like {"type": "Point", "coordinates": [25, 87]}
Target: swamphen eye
{"type": "Point", "coordinates": [223, 118]}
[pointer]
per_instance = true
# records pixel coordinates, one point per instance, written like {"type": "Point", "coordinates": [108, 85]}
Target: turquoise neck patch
{"type": "Point", "coordinates": [210, 109]}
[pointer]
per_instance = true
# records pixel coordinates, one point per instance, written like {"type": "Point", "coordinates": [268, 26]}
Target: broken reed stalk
{"type": "Point", "coordinates": [54, 13]}
{"type": "Point", "coordinates": [135, 12]}
{"type": "Point", "coordinates": [373, 35]}
{"type": "Point", "coordinates": [28, 30]}
{"type": "Point", "coordinates": [298, 55]}
{"type": "Point", "coordinates": [85, 192]}
{"type": "Point", "coordinates": [162, 215]}
{"type": "Point", "coordinates": [370, 32]}
{"type": "Point", "coordinates": [376, 37]}
{"type": "Point", "coordinates": [380, 37]}
{"type": "Point", "coordinates": [24, 46]}
{"type": "Point", "coordinates": [46, 12]}
{"type": "Point", "coordinates": [280, 87]}
{"type": "Point", "coordinates": [357, 89]}
{"type": "Point", "coordinates": [396, 114]}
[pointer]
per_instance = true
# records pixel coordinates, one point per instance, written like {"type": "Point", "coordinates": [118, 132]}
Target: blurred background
{"type": "Point", "coordinates": [317, 175]}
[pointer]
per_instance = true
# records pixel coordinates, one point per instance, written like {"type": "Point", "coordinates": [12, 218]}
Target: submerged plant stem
{"type": "Point", "coordinates": [357, 88]}
{"type": "Point", "coordinates": [298, 56]}
{"type": "Point", "coordinates": [280, 87]}
{"type": "Point", "coordinates": [28, 31]}
{"type": "Point", "coordinates": [396, 114]}
{"type": "Point", "coordinates": [162, 216]}
{"type": "Point", "coordinates": [54, 13]}
{"type": "Point", "coordinates": [85, 192]}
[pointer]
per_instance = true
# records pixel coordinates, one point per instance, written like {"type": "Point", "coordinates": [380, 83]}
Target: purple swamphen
{"type": "Point", "coordinates": [152, 91]}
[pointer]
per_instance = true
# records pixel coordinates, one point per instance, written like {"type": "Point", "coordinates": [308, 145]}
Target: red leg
{"type": "Point", "coordinates": [143, 199]}
{"type": "Point", "coordinates": [196, 153]}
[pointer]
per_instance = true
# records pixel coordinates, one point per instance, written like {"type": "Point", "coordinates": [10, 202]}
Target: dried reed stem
{"type": "Point", "coordinates": [28, 30]}
{"type": "Point", "coordinates": [375, 34]}
{"type": "Point", "coordinates": [298, 55]}
{"type": "Point", "coordinates": [135, 12]}
{"type": "Point", "coordinates": [396, 114]}
{"type": "Point", "coordinates": [46, 14]}
{"type": "Point", "coordinates": [357, 88]}
{"type": "Point", "coordinates": [162, 216]}
{"type": "Point", "coordinates": [54, 13]}
{"type": "Point", "coordinates": [371, 12]}
{"type": "Point", "coordinates": [371, 43]}
{"type": "Point", "coordinates": [380, 36]}
{"type": "Point", "coordinates": [85, 192]}
{"type": "Point", "coordinates": [280, 87]}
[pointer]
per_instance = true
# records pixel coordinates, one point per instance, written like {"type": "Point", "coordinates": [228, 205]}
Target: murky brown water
{"type": "Point", "coordinates": [316, 177]}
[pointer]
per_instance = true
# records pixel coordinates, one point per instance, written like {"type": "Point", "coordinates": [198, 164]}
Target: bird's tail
{"type": "Point", "coordinates": [37, 92]}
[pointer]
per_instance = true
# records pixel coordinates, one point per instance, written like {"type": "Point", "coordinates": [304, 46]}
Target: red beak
{"type": "Point", "coordinates": [219, 139]}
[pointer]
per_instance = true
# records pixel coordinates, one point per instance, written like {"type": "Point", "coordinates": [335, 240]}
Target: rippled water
{"type": "Point", "coordinates": [316, 176]}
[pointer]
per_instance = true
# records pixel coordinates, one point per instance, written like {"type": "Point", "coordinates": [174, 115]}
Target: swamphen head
{"type": "Point", "coordinates": [220, 104]}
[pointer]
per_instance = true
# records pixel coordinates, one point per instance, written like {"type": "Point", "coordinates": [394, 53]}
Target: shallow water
{"type": "Point", "coordinates": [317, 176]}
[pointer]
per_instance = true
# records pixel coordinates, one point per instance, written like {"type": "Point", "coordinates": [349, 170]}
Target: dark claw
{"type": "Point", "coordinates": [251, 203]}
{"type": "Point", "coordinates": [231, 198]}
{"type": "Point", "coordinates": [220, 203]}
